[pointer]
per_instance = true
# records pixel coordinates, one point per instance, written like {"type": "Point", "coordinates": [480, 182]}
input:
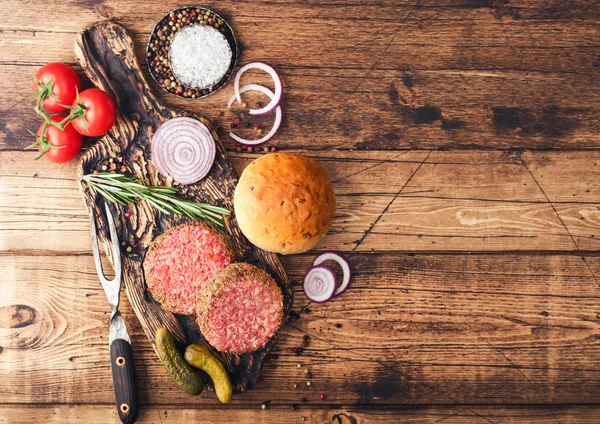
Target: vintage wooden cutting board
{"type": "Point", "coordinates": [105, 52]}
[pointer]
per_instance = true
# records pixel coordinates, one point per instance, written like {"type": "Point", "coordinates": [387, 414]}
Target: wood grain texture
{"type": "Point", "coordinates": [477, 284]}
{"type": "Point", "coordinates": [450, 201]}
{"type": "Point", "coordinates": [100, 414]}
{"type": "Point", "coordinates": [391, 76]}
{"type": "Point", "coordinates": [105, 51]}
{"type": "Point", "coordinates": [413, 329]}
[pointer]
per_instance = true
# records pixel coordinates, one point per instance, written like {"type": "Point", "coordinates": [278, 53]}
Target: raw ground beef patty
{"type": "Point", "coordinates": [239, 308]}
{"type": "Point", "coordinates": [180, 261]}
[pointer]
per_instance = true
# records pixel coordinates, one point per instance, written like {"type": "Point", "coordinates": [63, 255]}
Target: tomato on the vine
{"type": "Point", "coordinates": [58, 84]}
{"type": "Point", "coordinates": [95, 112]}
{"type": "Point", "coordinates": [58, 145]}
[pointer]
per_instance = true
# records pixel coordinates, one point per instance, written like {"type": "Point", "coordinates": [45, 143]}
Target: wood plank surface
{"type": "Point", "coordinates": [433, 329]}
{"type": "Point", "coordinates": [462, 138]}
{"type": "Point", "coordinates": [392, 76]}
{"type": "Point", "coordinates": [387, 201]}
{"type": "Point", "coordinates": [105, 414]}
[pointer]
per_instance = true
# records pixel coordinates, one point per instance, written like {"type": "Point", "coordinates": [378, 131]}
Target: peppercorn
{"type": "Point", "coordinates": [96, 171]}
{"type": "Point", "coordinates": [295, 386]}
{"type": "Point", "coordinates": [263, 406]}
{"type": "Point", "coordinates": [129, 249]}
{"type": "Point", "coordinates": [104, 168]}
{"type": "Point", "coordinates": [136, 157]}
{"type": "Point", "coordinates": [238, 149]}
{"type": "Point", "coordinates": [338, 325]}
{"type": "Point", "coordinates": [303, 400]}
{"type": "Point", "coordinates": [322, 396]}
{"type": "Point", "coordinates": [308, 383]}
{"type": "Point", "coordinates": [265, 149]}
{"type": "Point", "coordinates": [256, 127]}
{"type": "Point", "coordinates": [236, 121]}
{"type": "Point", "coordinates": [273, 149]}
{"type": "Point", "coordinates": [123, 244]}
{"type": "Point", "coordinates": [127, 214]}
{"type": "Point", "coordinates": [250, 149]}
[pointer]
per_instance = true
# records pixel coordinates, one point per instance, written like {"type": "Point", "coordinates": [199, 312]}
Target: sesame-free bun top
{"type": "Point", "coordinates": [284, 203]}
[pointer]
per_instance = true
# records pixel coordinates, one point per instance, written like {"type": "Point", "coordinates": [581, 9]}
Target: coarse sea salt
{"type": "Point", "coordinates": [200, 56]}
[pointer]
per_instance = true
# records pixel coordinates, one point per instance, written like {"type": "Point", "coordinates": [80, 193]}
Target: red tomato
{"type": "Point", "coordinates": [69, 138]}
{"type": "Point", "coordinates": [65, 84]}
{"type": "Point", "coordinates": [99, 112]}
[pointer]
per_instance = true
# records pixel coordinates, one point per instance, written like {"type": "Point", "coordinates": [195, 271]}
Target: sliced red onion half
{"type": "Point", "coordinates": [343, 262]}
{"type": "Point", "coordinates": [183, 148]}
{"type": "Point", "coordinates": [276, 124]}
{"type": "Point", "coordinates": [275, 99]}
{"type": "Point", "coordinates": [320, 283]}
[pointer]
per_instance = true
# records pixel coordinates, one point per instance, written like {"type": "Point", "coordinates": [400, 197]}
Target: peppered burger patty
{"type": "Point", "coordinates": [180, 261]}
{"type": "Point", "coordinates": [239, 308]}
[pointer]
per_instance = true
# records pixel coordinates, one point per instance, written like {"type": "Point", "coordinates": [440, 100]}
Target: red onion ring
{"type": "Point", "coordinates": [275, 99]}
{"type": "Point", "coordinates": [184, 149]}
{"type": "Point", "coordinates": [320, 283]}
{"type": "Point", "coordinates": [278, 115]}
{"type": "Point", "coordinates": [343, 262]}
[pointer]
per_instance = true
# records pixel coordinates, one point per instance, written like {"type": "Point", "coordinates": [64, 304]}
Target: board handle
{"type": "Point", "coordinates": [124, 380]}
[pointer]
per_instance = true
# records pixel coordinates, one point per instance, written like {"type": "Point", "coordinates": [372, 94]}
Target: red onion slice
{"type": "Point", "coordinates": [276, 124]}
{"type": "Point", "coordinates": [275, 99]}
{"type": "Point", "coordinates": [336, 257]}
{"type": "Point", "coordinates": [320, 283]}
{"type": "Point", "coordinates": [184, 149]}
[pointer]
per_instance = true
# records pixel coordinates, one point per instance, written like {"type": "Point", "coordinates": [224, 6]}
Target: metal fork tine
{"type": "Point", "coordinates": [115, 247]}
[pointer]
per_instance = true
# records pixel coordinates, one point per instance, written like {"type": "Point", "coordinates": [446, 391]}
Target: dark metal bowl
{"type": "Point", "coordinates": [229, 36]}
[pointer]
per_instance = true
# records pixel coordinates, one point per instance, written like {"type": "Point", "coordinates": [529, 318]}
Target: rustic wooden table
{"type": "Point", "coordinates": [462, 139]}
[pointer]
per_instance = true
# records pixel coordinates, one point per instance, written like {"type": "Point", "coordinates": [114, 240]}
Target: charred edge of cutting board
{"type": "Point", "coordinates": [106, 53]}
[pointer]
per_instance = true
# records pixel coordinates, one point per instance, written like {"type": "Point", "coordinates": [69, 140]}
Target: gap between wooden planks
{"type": "Point", "coordinates": [413, 329]}
{"type": "Point", "coordinates": [457, 201]}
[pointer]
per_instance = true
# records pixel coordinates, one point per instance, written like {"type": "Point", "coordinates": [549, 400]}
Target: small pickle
{"type": "Point", "coordinates": [186, 378]}
{"type": "Point", "coordinates": [199, 356]}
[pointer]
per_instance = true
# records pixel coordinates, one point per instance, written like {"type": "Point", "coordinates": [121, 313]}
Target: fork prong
{"type": "Point", "coordinates": [95, 248]}
{"type": "Point", "coordinates": [114, 239]}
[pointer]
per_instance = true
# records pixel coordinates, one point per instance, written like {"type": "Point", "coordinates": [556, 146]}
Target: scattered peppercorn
{"type": "Point", "coordinates": [127, 214]}
{"type": "Point", "coordinates": [308, 383]}
{"type": "Point", "coordinates": [306, 337]}
{"type": "Point", "coordinates": [161, 38]}
{"type": "Point", "coordinates": [236, 121]}
{"type": "Point", "coordinates": [123, 168]}
{"type": "Point", "coordinates": [256, 127]}
{"type": "Point", "coordinates": [129, 249]}
{"type": "Point", "coordinates": [298, 351]}
{"type": "Point", "coordinates": [265, 149]}
{"type": "Point", "coordinates": [250, 149]}
{"type": "Point", "coordinates": [123, 244]}
{"type": "Point", "coordinates": [338, 325]}
{"type": "Point", "coordinates": [238, 148]}
{"type": "Point", "coordinates": [104, 168]}
{"type": "Point", "coordinates": [273, 149]}
{"type": "Point", "coordinates": [322, 396]}
{"type": "Point", "coordinates": [263, 406]}
{"type": "Point", "coordinates": [303, 400]}
{"type": "Point", "coordinates": [295, 386]}
{"type": "Point", "coordinates": [136, 157]}
{"type": "Point", "coordinates": [96, 171]}
{"type": "Point", "coordinates": [298, 365]}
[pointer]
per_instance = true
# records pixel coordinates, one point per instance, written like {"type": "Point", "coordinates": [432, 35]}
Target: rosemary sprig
{"type": "Point", "coordinates": [123, 190]}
